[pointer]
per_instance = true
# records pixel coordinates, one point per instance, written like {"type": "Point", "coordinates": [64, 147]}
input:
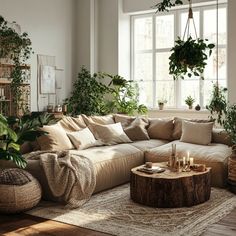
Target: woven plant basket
{"type": "Point", "coordinates": [19, 191]}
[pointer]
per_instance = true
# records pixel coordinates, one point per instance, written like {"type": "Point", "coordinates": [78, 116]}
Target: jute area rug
{"type": "Point", "coordinates": [113, 212]}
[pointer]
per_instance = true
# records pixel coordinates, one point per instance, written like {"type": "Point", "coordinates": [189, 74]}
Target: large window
{"type": "Point", "coordinates": [153, 36]}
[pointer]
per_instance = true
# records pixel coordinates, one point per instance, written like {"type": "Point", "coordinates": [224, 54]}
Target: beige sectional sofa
{"type": "Point", "coordinates": [113, 162]}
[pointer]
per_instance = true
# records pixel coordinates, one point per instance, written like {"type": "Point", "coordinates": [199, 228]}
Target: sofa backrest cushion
{"type": "Point", "coordinates": [83, 139]}
{"type": "Point", "coordinates": [220, 136]}
{"type": "Point", "coordinates": [123, 119]}
{"type": "Point", "coordinates": [109, 134]}
{"type": "Point", "coordinates": [56, 139]}
{"type": "Point", "coordinates": [160, 128]}
{"type": "Point", "coordinates": [70, 124]}
{"type": "Point", "coordinates": [197, 133]}
{"type": "Point", "coordinates": [102, 120]}
{"type": "Point", "coordinates": [177, 132]}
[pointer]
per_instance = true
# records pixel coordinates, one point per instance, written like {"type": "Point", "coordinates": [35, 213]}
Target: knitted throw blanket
{"type": "Point", "coordinates": [71, 177]}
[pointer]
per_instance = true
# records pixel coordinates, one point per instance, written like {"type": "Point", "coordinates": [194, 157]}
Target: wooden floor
{"type": "Point", "coordinates": [19, 225]}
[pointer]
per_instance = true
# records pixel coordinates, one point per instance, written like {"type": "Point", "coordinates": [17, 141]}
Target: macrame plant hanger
{"type": "Point", "coordinates": [217, 47]}
{"type": "Point", "coordinates": [190, 17]}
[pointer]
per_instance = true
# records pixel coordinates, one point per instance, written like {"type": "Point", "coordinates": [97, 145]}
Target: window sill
{"type": "Point", "coordinates": [169, 110]}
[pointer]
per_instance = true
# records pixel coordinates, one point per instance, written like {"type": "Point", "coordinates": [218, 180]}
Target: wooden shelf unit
{"type": "Point", "coordinates": [7, 106]}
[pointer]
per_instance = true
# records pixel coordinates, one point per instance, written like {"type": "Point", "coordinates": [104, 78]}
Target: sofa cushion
{"type": "Point", "coordinates": [214, 155]}
{"type": "Point", "coordinates": [83, 139]}
{"type": "Point", "coordinates": [56, 139]}
{"type": "Point", "coordinates": [198, 133]}
{"type": "Point", "coordinates": [102, 120]}
{"type": "Point", "coordinates": [136, 130]}
{"type": "Point", "coordinates": [177, 132]}
{"type": "Point", "coordinates": [109, 134]}
{"type": "Point", "coordinates": [123, 119]}
{"type": "Point", "coordinates": [220, 136]}
{"type": "Point", "coordinates": [113, 163]}
{"type": "Point", "coordinates": [160, 128]}
{"type": "Point", "coordinates": [148, 144]}
{"type": "Point", "coordinates": [70, 124]}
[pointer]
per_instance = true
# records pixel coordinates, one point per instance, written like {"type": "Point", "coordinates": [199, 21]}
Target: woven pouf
{"type": "Point", "coordinates": [19, 191]}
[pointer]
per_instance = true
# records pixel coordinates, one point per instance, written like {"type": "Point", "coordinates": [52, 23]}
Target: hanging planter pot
{"type": "Point", "coordinates": [189, 57]}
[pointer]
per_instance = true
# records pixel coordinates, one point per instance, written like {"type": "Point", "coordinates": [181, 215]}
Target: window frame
{"type": "Point", "coordinates": [177, 31]}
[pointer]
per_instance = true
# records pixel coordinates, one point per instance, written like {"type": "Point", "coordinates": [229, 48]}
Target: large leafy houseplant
{"type": "Point", "coordinates": [91, 95]}
{"type": "Point", "coordinates": [17, 47]}
{"type": "Point", "coordinates": [125, 96]}
{"type": "Point", "coordinates": [189, 57]}
{"type": "Point", "coordinates": [15, 131]}
{"type": "Point", "coordinates": [218, 104]}
{"type": "Point", "coordinates": [165, 5]}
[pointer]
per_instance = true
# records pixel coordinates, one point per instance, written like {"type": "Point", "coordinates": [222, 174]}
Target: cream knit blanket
{"type": "Point", "coordinates": [70, 176]}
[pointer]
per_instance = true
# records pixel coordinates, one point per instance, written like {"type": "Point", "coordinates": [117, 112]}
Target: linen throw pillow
{"type": "Point", "coordinates": [197, 133]}
{"type": "Point", "coordinates": [83, 139]}
{"type": "Point", "coordinates": [102, 120]}
{"type": "Point", "coordinates": [177, 132]}
{"type": "Point", "coordinates": [56, 139]}
{"type": "Point", "coordinates": [70, 124]}
{"type": "Point", "coordinates": [136, 130]}
{"type": "Point", "coordinates": [160, 128]}
{"type": "Point", "coordinates": [109, 134]}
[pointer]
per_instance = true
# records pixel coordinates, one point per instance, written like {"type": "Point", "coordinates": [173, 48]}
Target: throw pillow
{"type": "Point", "coordinates": [160, 128]}
{"type": "Point", "coordinates": [197, 133]}
{"type": "Point", "coordinates": [102, 120]}
{"type": "Point", "coordinates": [136, 130]}
{"type": "Point", "coordinates": [123, 119]}
{"type": "Point", "coordinates": [109, 134]}
{"type": "Point", "coordinates": [83, 139]}
{"type": "Point", "coordinates": [177, 132]}
{"type": "Point", "coordinates": [70, 124]}
{"type": "Point", "coordinates": [56, 139]}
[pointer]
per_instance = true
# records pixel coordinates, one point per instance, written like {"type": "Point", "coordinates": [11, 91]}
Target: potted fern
{"type": "Point", "coordinates": [189, 101]}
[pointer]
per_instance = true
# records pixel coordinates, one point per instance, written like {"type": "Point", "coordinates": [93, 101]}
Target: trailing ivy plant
{"type": "Point", "coordinates": [165, 5]}
{"type": "Point", "coordinates": [218, 104]}
{"type": "Point", "coordinates": [189, 57]}
{"type": "Point", "coordinates": [16, 47]}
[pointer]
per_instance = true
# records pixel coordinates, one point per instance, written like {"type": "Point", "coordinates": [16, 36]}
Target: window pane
{"type": "Point", "coordinates": [162, 66]}
{"type": "Point", "coordinates": [183, 20]}
{"type": "Point", "coordinates": [189, 87]}
{"type": "Point", "coordinates": [166, 91]}
{"type": "Point", "coordinates": [146, 93]}
{"type": "Point", "coordinates": [210, 70]}
{"type": "Point", "coordinates": [210, 25]}
{"type": "Point", "coordinates": [143, 33]}
{"type": "Point", "coordinates": [143, 66]}
{"type": "Point", "coordinates": [165, 31]}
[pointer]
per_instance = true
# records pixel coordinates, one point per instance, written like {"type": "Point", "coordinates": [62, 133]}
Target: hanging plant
{"type": "Point", "coordinates": [165, 5]}
{"type": "Point", "coordinates": [189, 57]}
{"type": "Point", "coordinates": [218, 104]}
{"type": "Point", "coordinates": [16, 47]}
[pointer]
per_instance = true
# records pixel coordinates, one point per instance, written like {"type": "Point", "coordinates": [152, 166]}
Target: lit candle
{"type": "Point", "coordinates": [191, 161]}
{"type": "Point", "coordinates": [183, 160]}
{"type": "Point", "coordinates": [187, 156]}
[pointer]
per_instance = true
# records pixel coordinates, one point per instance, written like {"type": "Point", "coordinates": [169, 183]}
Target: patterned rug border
{"type": "Point", "coordinates": [189, 227]}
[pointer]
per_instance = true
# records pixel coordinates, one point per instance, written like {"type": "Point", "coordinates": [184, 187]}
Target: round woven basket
{"type": "Point", "coordinates": [19, 191]}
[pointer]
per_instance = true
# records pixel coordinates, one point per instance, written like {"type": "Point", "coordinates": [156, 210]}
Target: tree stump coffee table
{"type": "Point", "coordinates": [170, 189]}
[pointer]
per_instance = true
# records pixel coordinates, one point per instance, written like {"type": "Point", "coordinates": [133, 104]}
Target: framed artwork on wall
{"type": "Point", "coordinates": [47, 79]}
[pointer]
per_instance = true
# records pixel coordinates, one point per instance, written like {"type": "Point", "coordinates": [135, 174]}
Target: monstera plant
{"type": "Point", "coordinates": [15, 131]}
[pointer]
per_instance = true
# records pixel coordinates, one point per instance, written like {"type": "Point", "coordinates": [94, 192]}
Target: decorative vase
{"type": "Point", "coordinates": [161, 106]}
{"type": "Point", "coordinates": [197, 108]}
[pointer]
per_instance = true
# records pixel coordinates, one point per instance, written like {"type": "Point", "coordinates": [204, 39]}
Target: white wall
{"type": "Point", "coordinates": [231, 51]}
{"type": "Point", "coordinates": [50, 25]}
